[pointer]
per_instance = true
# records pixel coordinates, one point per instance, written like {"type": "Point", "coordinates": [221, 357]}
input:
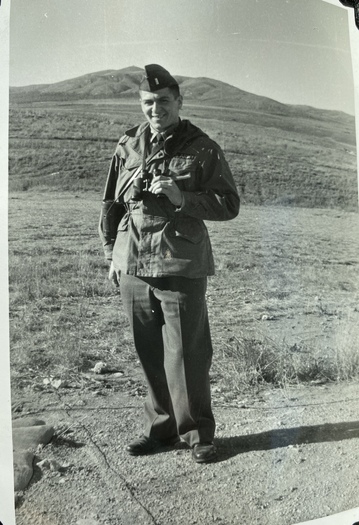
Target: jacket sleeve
{"type": "Point", "coordinates": [217, 198]}
{"type": "Point", "coordinates": [109, 195]}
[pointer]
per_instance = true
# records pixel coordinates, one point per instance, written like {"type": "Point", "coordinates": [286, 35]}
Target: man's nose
{"type": "Point", "coordinates": [156, 107]}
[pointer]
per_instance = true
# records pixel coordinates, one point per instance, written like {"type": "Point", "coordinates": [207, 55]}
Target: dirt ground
{"type": "Point", "coordinates": [285, 456]}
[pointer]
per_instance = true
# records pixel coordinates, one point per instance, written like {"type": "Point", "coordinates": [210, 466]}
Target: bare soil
{"type": "Point", "coordinates": [285, 456]}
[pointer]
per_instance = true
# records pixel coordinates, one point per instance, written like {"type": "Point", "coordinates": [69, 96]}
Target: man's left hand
{"type": "Point", "coordinates": [168, 187]}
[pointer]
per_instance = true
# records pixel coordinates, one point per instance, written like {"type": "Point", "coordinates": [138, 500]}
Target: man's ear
{"type": "Point", "coordinates": [180, 101]}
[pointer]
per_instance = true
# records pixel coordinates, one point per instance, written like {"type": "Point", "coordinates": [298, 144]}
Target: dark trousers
{"type": "Point", "coordinates": [169, 322]}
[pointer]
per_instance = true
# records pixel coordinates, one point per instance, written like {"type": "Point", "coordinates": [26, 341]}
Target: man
{"type": "Point", "coordinates": [170, 176]}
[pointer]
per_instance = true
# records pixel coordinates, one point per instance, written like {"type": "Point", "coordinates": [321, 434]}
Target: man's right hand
{"type": "Point", "coordinates": [113, 276]}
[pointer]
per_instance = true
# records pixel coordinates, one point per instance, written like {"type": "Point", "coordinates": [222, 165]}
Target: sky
{"type": "Point", "coordinates": [294, 51]}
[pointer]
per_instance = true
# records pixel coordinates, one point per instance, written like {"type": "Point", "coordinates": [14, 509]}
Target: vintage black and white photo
{"type": "Point", "coordinates": [203, 367]}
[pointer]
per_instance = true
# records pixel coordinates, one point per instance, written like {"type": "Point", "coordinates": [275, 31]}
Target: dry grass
{"type": "Point", "coordinates": [275, 160]}
{"type": "Point", "coordinates": [282, 305]}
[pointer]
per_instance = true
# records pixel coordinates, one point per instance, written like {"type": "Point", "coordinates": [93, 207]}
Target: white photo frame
{"type": "Point", "coordinates": [7, 513]}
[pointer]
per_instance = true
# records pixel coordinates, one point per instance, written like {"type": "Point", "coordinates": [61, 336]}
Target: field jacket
{"type": "Point", "coordinates": [154, 238]}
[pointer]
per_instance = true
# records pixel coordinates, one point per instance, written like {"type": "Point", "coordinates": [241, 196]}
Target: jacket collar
{"type": "Point", "coordinates": [138, 137]}
{"type": "Point", "coordinates": [184, 133]}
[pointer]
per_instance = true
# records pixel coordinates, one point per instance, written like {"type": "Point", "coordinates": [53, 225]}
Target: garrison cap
{"type": "Point", "coordinates": [156, 77]}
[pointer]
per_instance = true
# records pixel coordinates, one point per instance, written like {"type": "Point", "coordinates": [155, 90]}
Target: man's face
{"type": "Point", "coordinates": [161, 108]}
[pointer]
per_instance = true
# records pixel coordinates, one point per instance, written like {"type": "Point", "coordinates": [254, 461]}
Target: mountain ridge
{"type": "Point", "coordinates": [123, 85]}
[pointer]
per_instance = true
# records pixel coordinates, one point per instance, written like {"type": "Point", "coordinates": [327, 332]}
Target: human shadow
{"type": "Point", "coordinates": [284, 437]}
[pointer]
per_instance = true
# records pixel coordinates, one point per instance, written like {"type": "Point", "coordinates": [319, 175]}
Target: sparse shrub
{"type": "Point", "coordinates": [347, 354]}
{"type": "Point", "coordinates": [250, 362]}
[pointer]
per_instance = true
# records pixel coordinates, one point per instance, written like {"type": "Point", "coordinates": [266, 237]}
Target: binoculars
{"type": "Point", "coordinates": [142, 183]}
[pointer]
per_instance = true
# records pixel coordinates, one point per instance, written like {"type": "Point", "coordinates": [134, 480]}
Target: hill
{"type": "Point", "coordinates": [62, 136]}
{"type": "Point", "coordinates": [122, 85]}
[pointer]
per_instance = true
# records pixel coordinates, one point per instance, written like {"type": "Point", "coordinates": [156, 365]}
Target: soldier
{"type": "Point", "coordinates": [169, 177]}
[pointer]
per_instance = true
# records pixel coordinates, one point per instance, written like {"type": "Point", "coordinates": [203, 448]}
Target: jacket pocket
{"type": "Point", "coordinates": [182, 164]}
{"type": "Point", "coordinates": [188, 229]}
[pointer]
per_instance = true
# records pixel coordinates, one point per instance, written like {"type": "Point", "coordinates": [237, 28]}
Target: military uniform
{"type": "Point", "coordinates": [163, 254]}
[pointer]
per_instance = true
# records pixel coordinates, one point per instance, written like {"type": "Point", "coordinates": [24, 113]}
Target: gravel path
{"type": "Point", "coordinates": [285, 456]}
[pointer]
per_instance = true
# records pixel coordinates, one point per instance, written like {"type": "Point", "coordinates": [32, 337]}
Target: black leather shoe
{"type": "Point", "coordinates": [204, 452]}
{"type": "Point", "coordinates": [146, 445]}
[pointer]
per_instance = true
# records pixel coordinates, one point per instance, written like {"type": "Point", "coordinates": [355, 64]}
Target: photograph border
{"type": "Point", "coordinates": [7, 511]}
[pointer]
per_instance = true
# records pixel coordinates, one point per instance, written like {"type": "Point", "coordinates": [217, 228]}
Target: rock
{"type": "Point", "coordinates": [23, 469]}
{"type": "Point", "coordinates": [27, 422]}
{"type": "Point", "coordinates": [87, 522]}
{"type": "Point", "coordinates": [56, 383]}
{"type": "Point", "coordinates": [266, 317]}
{"type": "Point", "coordinates": [102, 368]}
{"type": "Point", "coordinates": [51, 464]}
{"type": "Point", "coordinates": [44, 464]}
{"type": "Point", "coordinates": [25, 438]}
{"type": "Point", "coordinates": [55, 465]}
{"type": "Point", "coordinates": [99, 368]}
